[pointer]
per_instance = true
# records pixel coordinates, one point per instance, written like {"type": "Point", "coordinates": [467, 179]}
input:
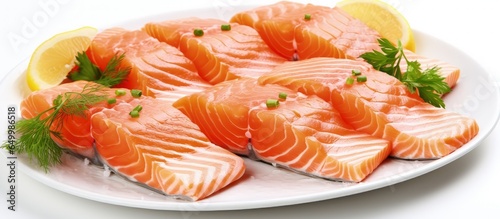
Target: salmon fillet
{"type": "Point", "coordinates": [382, 106]}
{"type": "Point", "coordinates": [158, 69]}
{"type": "Point", "coordinates": [330, 32]}
{"type": "Point", "coordinates": [219, 55]}
{"type": "Point", "coordinates": [74, 129]}
{"type": "Point", "coordinates": [303, 133]}
{"type": "Point", "coordinates": [171, 31]}
{"type": "Point", "coordinates": [221, 112]}
{"type": "Point", "coordinates": [254, 16]}
{"type": "Point", "coordinates": [163, 150]}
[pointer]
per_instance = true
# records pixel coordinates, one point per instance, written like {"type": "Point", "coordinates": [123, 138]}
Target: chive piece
{"type": "Point", "coordinates": [120, 92]}
{"type": "Point", "coordinates": [134, 113]}
{"type": "Point", "coordinates": [136, 93]}
{"type": "Point", "coordinates": [137, 108]}
{"type": "Point", "coordinates": [356, 72]}
{"type": "Point", "coordinates": [307, 17]}
{"type": "Point", "coordinates": [225, 27]}
{"type": "Point", "coordinates": [349, 81]}
{"type": "Point", "coordinates": [272, 103]}
{"type": "Point", "coordinates": [198, 32]}
{"type": "Point", "coordinates": [282, 95]}
{"type": "Point", "coordinates": [361, 78]}
{"type": "Point", "coordinates": [111, 100]}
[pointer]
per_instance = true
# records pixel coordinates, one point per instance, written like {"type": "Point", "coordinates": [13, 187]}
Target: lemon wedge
{"type": "Point", "coordinates": [52, 60]}
{"type": "Point", "coordinates": [383, 18]}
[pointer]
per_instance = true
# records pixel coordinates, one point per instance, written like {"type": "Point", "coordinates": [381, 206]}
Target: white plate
{"type": "Point", "coordinates": [263, 185]}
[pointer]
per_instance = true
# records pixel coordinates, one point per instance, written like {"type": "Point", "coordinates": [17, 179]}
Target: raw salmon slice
{"type": "Point", "coordinates": [74, 129]}
{"type": "Point", "coordinates": [254, 16]}
{"type": "Point", "coordinates": [163, 150]}
{"type": "Point", "coordinates": [303, 133]}
{"type": "Point", "coordinates": [330, 32]}
{"type": "Point", "coordinates": [221, 112]}
{"type": "Point", "coordinates": [157, 68]}
{"type": "Point", "coordinates": [220, 55]}
{"type": "Point", "coordinates": [308, 135]}
{"type": "Point", "coordinates": [171, 31]}
{"type": "Point", "coordinates": [382, 106]}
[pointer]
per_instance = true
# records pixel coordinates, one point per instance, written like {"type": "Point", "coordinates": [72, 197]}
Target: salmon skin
{"type": "Point", "coordinates": [382, 106]}
{"type": "Point", "coordinates": [74, 130]}
{"type": "Point", "coordinates": [330, 32]}
{"type": "Point", "coordinates": [162, 150]}
{"type": "Point", "coordinates": [219, 55]}
{"type": "Point", "coordinates": [158, 69]}
{"type": "Point", "coordinates": [304, 133]}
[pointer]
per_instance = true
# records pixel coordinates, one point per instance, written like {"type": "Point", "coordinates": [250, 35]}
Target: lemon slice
{"type": "Point", "coordinates": [383, 18]}
{"type": "Point", "coordinates": [53, 59]}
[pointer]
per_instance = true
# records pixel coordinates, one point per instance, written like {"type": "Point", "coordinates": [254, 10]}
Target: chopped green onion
{"type": "Point", "coordinates": [111, 100]}
{"type": "Point", "coordinates": [225, 27]}
{"type": "Point", "coordinates": [137, 108]}
{"type": "Point", "coordinates": [361, 78]}
{"type": "Point", "coordinates": [356, 72]}
{"type": "Point", "coordinates": [120, 92]}
{"type": "Point", "coordinates": [134, 114]}
{"type": "Point", "coordinates": [198, 32]}
{"type": "Point", "coordinates": [307, 17]}
{"type": "Point", "coordinates": [136, 93]}
{"type": "Point", "coordinates": [349, 81]}
{"type": "Point", "coordinates": [282, 95]}
{"type": "Point", "coordinates": [272, 103]}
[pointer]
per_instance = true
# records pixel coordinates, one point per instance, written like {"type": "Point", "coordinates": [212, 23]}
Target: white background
{"type": "Point", "coordinates": [464, 188]}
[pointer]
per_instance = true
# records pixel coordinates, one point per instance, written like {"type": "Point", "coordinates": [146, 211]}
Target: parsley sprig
{"type": "Point", "coordinates": [35, 134]}
{"type": "Point", "coordinates": [88, 71]}
{"type": "Point", "coordinates": [429, 84]}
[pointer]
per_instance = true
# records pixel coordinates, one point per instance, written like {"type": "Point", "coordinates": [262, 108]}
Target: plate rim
{"type": "Point", "coordinates": [207, 206]}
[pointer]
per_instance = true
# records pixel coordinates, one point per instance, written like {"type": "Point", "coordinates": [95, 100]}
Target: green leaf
{"type": "Point", "coordinates": [429, 84]}
{"type": "Point", "coordinates": [112, 75]}
{"type": "Point", "coordinates": [86, 69]}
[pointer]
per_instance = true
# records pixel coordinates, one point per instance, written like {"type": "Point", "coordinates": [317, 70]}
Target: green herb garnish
{"type": "Point", "coordinates": [111, 100]}
{"type": "Point", "coordinates": [120, 92]}
{"type": "Point", "coordinates": [282, 95]}
{"type": "Point", "coordinates": [225, 27]}
{"type": "Point", "coordinates": [134, 113]}
{"type": "Point", "coordinates": [198, 32]}
{"type": "Point", "coordinates": [349, 81]}
{"type": "Point", "coordinates": [136, 93]}
{"type": "Point", "coordinates": [88, 71]}
{"type": "Point", "coordinates": [361, 78]}
{"type": "Point", "coordinates": [307, 17]}
{"type": "Point", "coordinates": [356, 72]}
{"type": "Point", "coordinates": [35, 133]}
{"type": "Point", "coordinates": [429, 84]}
{"type": "Point", "coordinates": [272, 103]}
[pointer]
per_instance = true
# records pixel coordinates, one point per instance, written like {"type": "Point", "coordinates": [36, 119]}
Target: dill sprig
{"type": "Point", "coordinates": [88, 71]}
{"type": "Point", "coordinates": [35, 134]}
{"type": "Point", "coordinates": [428, 83]}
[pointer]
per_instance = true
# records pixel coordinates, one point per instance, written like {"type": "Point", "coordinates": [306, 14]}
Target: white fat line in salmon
{"type": "Point", "coordinates": [295, 56]}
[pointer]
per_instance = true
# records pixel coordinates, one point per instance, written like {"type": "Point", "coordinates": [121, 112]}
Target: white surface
{"type": "Point", "coordinates": [458, 189]}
